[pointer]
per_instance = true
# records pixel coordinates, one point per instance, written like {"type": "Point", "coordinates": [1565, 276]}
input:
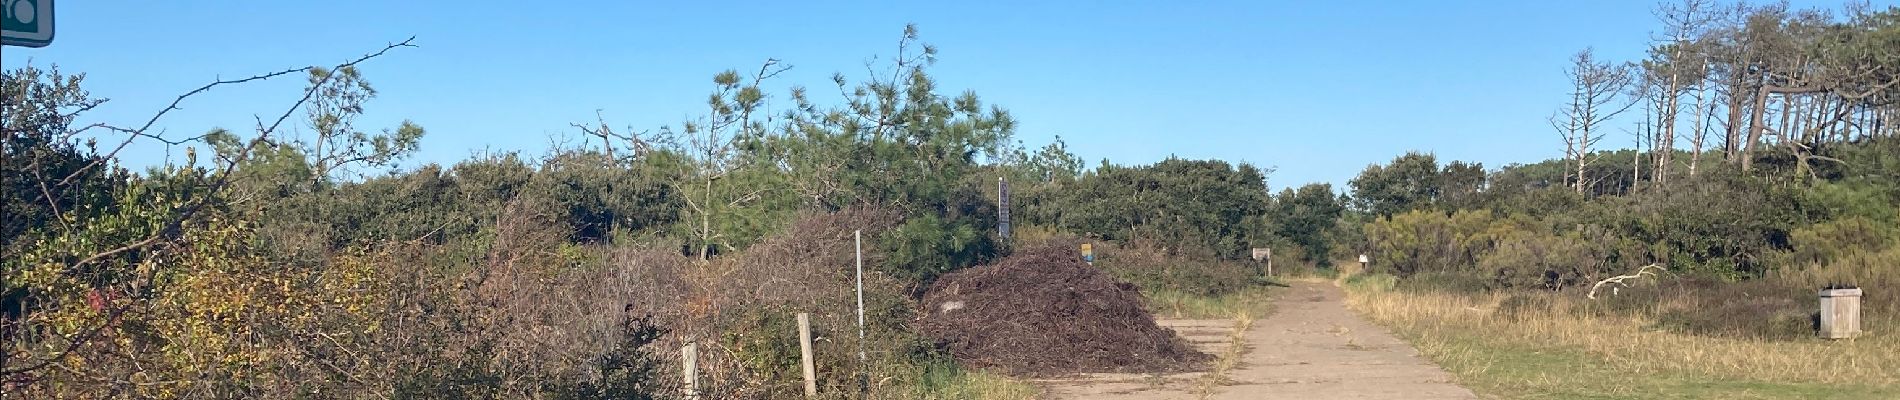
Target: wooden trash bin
{"type": "Point", "coordinates": [1840, 313]}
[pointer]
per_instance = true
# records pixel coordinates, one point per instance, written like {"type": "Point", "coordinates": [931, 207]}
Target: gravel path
{"type": "Point", "coordinates": [1310, 348]}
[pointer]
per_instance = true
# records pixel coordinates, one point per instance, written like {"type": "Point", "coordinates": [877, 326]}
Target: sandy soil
{"type": "Point", "coordinates": [1310, 348]}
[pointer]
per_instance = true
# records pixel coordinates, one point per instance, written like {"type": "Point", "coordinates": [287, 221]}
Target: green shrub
{"type": "Point", "coordinates": [1149, 268]}
{"type": "Point", "coordinates": [1828, 242]}
{"type": "Point", "coordinates": [1376, 281]}
{"type": "Point", "coordinates": [1427, 241]}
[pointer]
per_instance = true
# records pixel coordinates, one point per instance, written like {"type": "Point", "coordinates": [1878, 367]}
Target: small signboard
{"type": "Point", "coordinates": [1260, 253]}
{"type": "Point", "coordinates": [1362, 259]}
{"type": "Point", "coordinates": [1088, 253]}
{"type": "Point", "coordinates": [27, 23]}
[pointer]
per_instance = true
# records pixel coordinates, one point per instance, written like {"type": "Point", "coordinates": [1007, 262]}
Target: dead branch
{"type": "Point", "coordinates": [1617, 283]}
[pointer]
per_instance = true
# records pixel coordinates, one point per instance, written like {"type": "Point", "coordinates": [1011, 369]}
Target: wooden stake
{"type": "Point", "coordinates": [689, 367]}
{"type": "Point", "coordinates": [804, 351]}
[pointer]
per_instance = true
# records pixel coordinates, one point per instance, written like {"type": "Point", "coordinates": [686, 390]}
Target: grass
{"type": "Point", "coordinates": [1227, 360]}
{"type": "Point", "coordinates": [1563, 351]}
{"type": "Point", "coordinates": [1253, 300]}
{"type": "Point", "coordinates": [948, 381]}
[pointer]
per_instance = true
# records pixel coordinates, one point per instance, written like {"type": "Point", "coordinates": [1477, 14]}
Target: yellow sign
{"type": "Point", "coordinates": [1088, 253]}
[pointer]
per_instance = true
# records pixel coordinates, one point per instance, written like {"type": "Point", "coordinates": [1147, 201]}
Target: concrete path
{"type": "Point", "coordinates": [1310, 348]}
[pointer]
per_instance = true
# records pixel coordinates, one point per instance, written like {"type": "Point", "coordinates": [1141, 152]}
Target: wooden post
{"type": "Point", "coordinates": [689, 368]}
{"type": "Point", "coordinates": [1840, 313]}
{"type": "Point", "coordinates": [804, 351]}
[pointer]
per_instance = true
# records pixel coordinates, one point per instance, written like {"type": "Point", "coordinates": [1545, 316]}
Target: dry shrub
{"type": "Point", "coordinates": [740, 309]}
{"type": "Point", "coordinates": [808, 263]}
{"type": "Point", "coordinates": [535, 315]}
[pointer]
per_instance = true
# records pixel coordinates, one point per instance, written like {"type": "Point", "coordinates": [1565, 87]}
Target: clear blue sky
{"type": "Point", "coordinates": [1315, 89]}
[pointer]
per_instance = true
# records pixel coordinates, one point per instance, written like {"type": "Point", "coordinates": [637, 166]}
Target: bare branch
{"type": "Point", "coordinates": [172, 227]}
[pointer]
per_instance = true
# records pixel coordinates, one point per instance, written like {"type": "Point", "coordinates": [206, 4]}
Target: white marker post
{"type": "Point", "coordinates": [857, 237]}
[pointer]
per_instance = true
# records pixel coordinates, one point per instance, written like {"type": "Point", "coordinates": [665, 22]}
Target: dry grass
{"type": "Point", "coordinates": [1227, 360]}
{"type": "Point", "coordinates": [1470, 335]}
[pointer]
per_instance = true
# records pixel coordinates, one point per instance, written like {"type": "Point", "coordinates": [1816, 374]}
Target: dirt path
{"type": "Point", "coordinates": [1310, 348]}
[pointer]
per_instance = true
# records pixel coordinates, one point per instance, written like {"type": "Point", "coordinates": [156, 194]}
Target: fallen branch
{"type": "Point", "coordinates": [1617, 283]}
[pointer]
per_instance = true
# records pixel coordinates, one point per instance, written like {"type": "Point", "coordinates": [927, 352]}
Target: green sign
{"type": "Point", "coordinates": [26, 22]}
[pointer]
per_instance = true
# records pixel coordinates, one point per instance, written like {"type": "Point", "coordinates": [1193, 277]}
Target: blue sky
{"type": "Point", "coordinates": [1316, 90]}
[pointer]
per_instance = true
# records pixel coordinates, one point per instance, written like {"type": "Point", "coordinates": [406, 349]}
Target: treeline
{"type": "Point", "coordinates": [275, 266]}
{"type": "Point", "coordinates": [266, 265]}
{"type": "Point", "coordinates": [1736, 210]}
{"type": "Point", "coordinates": [1729, 80]}
{"type": "Point", "coordinates": [1788, 182]}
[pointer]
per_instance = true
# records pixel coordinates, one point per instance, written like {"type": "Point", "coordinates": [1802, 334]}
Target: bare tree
{"type": "Point", "coordinates": [1599, 93]}
{"type": "Point", "coordinates": [1675, 66]}
{"type": "Point", "coordinates": [636, 141]}
{"type": "Point", "coordinates": [1704, 110]}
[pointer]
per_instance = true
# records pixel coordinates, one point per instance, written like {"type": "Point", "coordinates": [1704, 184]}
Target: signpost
{"type": "Point", "coordinates": [1266, 254]}
{"type": "Point", "coordinates": [1002, 208]}
{"type": "Point", "coordinates": [27, 23]}
{"type": "Point", "coordinates": [1088, 253]}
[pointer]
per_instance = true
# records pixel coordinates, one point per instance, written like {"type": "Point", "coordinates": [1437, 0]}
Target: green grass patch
{"type": "Point", "coordinates": [949, 381]}
{"type": "Point", "coordinates": [1254, 300]}
{"type": "Point", "coordinates": [1514, 371]}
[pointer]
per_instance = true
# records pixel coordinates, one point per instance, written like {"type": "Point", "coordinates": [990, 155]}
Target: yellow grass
{"type": "Point", "coordinates": [1626, 344]}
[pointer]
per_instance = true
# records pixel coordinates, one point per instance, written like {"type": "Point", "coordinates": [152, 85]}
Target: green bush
{"type": "Point", "coordinates": [1828, 242]}
{"type": "Point", "coordinates": [1373, 281]}
{"type": "Point", "coordinates": [1195, 208]}
{"type": "Point", "coordinates": [1432, 241]}
{"type": "Point", "coordinates": [1149, 268]}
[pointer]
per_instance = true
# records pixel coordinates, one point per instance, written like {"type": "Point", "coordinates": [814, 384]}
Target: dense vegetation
{"type": "Point", "coordinates": [278, 266]}
{"type": "Point", "coordinates": [1811, 203]}
{"type": "Point", "coordinates": [284, 266]}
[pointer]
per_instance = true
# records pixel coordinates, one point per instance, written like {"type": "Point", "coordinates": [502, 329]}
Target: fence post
{"type": "Point", "coordinates": [804, 351]}
{"type": "Point", "coordinates": [689, 367]}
